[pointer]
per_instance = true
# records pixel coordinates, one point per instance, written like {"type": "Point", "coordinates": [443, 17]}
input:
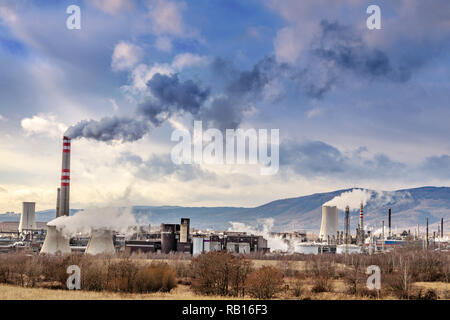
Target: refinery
{"type": "Point", "coordinates": [29, 235]}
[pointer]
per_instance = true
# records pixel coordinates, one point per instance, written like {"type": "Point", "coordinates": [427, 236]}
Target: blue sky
{"type": "Point", "coordinates": [355, 107]}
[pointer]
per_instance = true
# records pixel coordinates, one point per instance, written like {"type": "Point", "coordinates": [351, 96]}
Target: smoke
{"type": "Point", "coordinates": [378, 198]}
{"type": "Point", "coordinates": [172, 96]}
{"type": "Point", "coordinates": [335, 49]}
{"type": "Point", "coordinates": [263, 228]}
{"type": "Point", "coordinates": [116, 219]}
{"type": "Point", "coordinates": [108, 129]}
{"type": "Point", "coordinates": [169, 96]}
{"type": "Point", "coordinates": [351, 198]}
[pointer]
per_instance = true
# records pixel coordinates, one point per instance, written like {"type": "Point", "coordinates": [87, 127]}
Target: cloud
{"type": "Point", "coordinates": [7, 14]}
{"type": "Point", "coordinates": [163, 44]}
{"type": "Point", "coordinates": [319, 159]}
{"type": "Point", "coordinates": [437, 166]}
{"type": "Point", "coordinates": [341, 46]}
{"type": "Point", "coordinates": [112, 6]}
{"type": "Point", "coordinates": [46, 124]}
{"type": "Point", "coordinates": [161, 166]}
{"type": "Point", "coordinates": [167, 17]}
{"type": "Point", "coordinates": [2, 118]}
{"type": "Point", "coordinates": [125, 56]}
{"type": "Point", "coordinates": [185, 60]}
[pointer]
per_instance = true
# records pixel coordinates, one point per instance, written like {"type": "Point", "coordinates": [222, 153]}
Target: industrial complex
{"type": "Point", "coordinates": [182, 238]}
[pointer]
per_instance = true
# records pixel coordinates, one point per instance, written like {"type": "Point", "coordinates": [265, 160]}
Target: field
{"type": "Point", "coordinates": [405, 275]}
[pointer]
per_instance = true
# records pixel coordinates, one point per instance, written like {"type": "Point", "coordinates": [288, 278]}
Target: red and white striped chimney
{"type": "Point", "coordinates": [65, 178]}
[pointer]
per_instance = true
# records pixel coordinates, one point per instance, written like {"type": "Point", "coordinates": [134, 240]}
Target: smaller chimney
{"type": "Point", "coordinates": [427, 234]}
{"type": "Point", "coordinates": [442, 227]}
{"type": "Point", "coordinates": [58, 202]}
{"type": "Point", "coordinates": [389, 221]}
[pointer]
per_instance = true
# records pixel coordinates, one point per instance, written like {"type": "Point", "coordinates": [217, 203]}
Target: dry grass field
{"type": "Point", "coordinates": [326, 277]}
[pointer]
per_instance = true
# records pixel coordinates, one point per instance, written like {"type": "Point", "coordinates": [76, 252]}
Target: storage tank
{"type": "Point", "coordinates": [351, 248]}
{"type": "Point", "coordinates": [197, 245]}
{"type": "Point", "coordinates": [28, 217]}
{"type": "Point", "coordinates": [329, 226]}
{"type": "Point", "coordinates": [101, 242]}
{"type": "Point", "coordinates": [206, 244]}
{"type": "Point", "coordinates": [306, 248]}
{"type": "Point", "coordinates": [55, 242]}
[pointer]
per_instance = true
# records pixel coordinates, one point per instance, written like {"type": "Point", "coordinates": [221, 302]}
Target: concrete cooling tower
{"type": "Point", "coordinates": [101, 242]}
{"type": "Point", "coordinates": [329, 225]}
{"type": "Point", "coordinates": [55, 242]}
{"type": "Point", "coordinates": [28, 217]}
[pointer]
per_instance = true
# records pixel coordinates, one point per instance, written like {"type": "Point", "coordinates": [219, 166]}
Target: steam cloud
{"type": "Point", "coordinates": [262, 229]}
{"type": "Point", "coordinates": [354, 198]}
{"type": "Point", "coordinates": [337, 48]}
{"type": "Point", "coordinates": [117, 219]}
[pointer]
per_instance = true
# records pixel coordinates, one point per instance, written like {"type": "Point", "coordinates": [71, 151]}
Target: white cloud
{"type": "Point", "coordinates": [315, 112]}
{"type": "Point", "coordinates": [125, 56]}
{"type": "Point", "coordinates": [114, 104]}
{"type": "Point", "coordinates": [112, 6]}
{"type": "Point", "coordinates": [7, 14]}
{"type": "Point", "coordinates": [142, 73]}
{"type": "Point", "coordinates": [167, 17]}
{"type": "Point", "coordinates": [184, 60]}
{"type": "Point", "coordinates": [2, 118]}
{"type": "Point", "coordinates": [46, 124]}
{"type": "Point", "coordinates": [163, 44]}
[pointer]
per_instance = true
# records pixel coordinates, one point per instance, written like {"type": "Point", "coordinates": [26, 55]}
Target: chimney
{"type": "Point", "coordinates": [58, 202]}
{"type": "Point", "coordinates": [389, 221]}
{"type": "Point", "coordinates": [347, 223]}
{"type": "Point", "coordinates": [361, 223]}
{"type": "Point", "coordinates": [64, 208]}
{"type": "Point", "coordinates": [442, 227]}
{"type": "Point", "coordinates": [427, 234]}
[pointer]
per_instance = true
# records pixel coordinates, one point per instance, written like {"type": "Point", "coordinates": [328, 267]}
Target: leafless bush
{"type": "Point", "coordinates": [219, 273]}
{"type": "Point", "coordinates": [264, 283]}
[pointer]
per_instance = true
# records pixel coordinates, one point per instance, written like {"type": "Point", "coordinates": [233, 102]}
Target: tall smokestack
{"type": "Point", "coordinates": [65, 178]}
{"type": "Point", "coordinates": [442, 227]}
{"type": "Point", "coordinates": [389, 220]}
{"type": "Point", "coordinates": [58, 202]}
{"type": "Point", "coordinates": [361, 223]}
{"type": "Point", "coordinates": [427, 234]}
{"type": "Point", "coordinates": [347, 223]}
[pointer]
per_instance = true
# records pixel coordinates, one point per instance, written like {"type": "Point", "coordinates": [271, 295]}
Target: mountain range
{"type": "Point", "coordinates": [409, 208]}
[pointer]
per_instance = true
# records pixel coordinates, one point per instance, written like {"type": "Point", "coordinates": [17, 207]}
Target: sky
{"type": "Point", "coordinates": [355, 107]}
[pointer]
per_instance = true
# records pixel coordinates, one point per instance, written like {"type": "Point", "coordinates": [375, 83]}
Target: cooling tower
{"type": "Point", "coordinates": [65, 179]}
{"type": "Point", "coordinates": [55, 242]}
{"type": "Point", "coordinates": [329, 225]}
{"type": "Point", "coordinates": [101, 242]}
{"type": "Point", "coordinates": [28, 218]}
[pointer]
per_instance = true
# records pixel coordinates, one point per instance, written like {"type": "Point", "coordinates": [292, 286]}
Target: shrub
{"type": "Point", "coordinates": [155, 277]}
{"type": "Point", "coordinates": [219, 273]}
{"type": "Point", "coordinates": [264, 282]}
